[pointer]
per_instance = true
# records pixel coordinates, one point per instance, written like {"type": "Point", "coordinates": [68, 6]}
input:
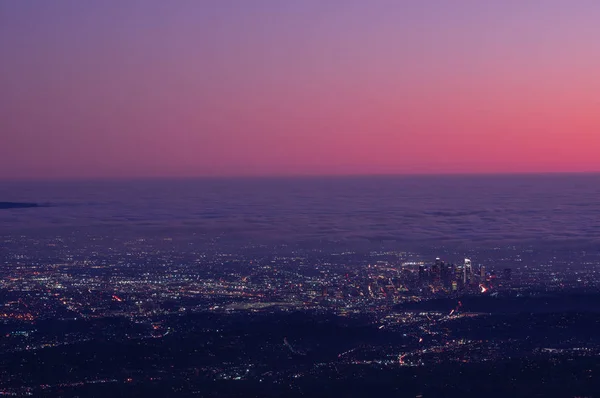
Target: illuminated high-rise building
{"type": "Point", "coordinates": [422, 274]}
{"type": "Point", "coordinates": [458, 273]}
{"type": "Point", "coordinates": [482, 273]}
{"type": "Point", "coordinates": [445, 273]}
{"type": "Point", "coordinates": [436, 270]}
{"type": "Point", "coordinates": [467, 271]}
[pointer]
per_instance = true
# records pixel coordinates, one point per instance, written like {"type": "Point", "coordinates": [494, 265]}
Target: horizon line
{"type": "Point", "coordinates": [292, 176]}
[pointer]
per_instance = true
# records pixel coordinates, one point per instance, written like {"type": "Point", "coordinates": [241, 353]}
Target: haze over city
{"type": "Point", "coordinates": [231, 88]}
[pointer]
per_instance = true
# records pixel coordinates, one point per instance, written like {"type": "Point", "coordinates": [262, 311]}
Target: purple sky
{"type": "Point", "coordinates": [124, 88]}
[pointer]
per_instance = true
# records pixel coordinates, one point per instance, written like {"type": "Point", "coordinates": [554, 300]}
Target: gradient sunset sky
{"type": "Point", "coordinates": [128, 88]}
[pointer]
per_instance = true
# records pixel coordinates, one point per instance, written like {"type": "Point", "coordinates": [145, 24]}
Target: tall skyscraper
{"type": "Point", "coordinates": [482, 273]}
{"type": "Point", "coordinates": [445, 274]}
{"type": "Point", "coordinates": [436, 270]}
{"type": "Point", "coordinates": [458, 273]}
{"type": "Point", "coordinates": [421, 273]}
{"type": "Point", "coordinates": [467, 271]}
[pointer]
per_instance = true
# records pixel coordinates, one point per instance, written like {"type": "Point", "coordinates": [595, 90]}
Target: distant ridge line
{"type": "Point", "coordinates": [17, 205]}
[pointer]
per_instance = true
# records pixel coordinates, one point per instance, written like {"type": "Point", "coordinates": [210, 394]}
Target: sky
{"type": "Point", "coordinates": [154, 88]}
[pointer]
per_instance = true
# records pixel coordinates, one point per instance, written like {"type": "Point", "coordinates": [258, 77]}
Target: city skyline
{"type": "Point", "coordinates": [149, 89]}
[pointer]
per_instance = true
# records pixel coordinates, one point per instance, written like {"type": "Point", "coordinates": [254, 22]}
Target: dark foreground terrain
{"type": "Point", "coordinates": [276, 353]}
